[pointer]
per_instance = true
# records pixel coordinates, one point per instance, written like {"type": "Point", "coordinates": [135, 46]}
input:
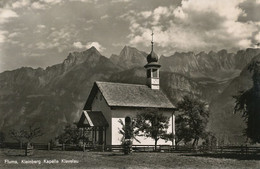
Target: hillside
{"type": "Point", "coordinates": [219, 65]}
{"type": "Point", "coordinates": [55, 96]}
{"type": "Point", "coordinates": [221, 108]}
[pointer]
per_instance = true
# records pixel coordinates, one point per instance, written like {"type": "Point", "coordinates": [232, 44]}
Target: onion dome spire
{"type": "Point", "coordinates": [152, 57]}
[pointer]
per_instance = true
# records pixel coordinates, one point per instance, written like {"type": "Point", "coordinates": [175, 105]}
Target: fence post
{"type": "Point", "coordinates": [49, 146]}
{"type": "Point", "coordinates": [63, 147]}
{"type": "Point", "coordinates": [83, 148]}
{"type": "Point", "coordinates": [246, 149]}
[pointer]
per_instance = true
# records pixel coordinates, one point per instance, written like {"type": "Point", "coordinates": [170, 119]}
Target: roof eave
{"type": "Point", "coordinates": [142, 107]}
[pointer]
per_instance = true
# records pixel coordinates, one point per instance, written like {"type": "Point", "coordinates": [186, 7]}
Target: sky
{"type": "Point", "coordinates": [41, 33]}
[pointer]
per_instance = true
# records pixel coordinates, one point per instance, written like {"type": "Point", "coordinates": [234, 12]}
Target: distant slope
{"type": "Point", "coordinates": [175, 85]}
{"type": "Point", "coordinates": [53, 97]}
{"type": "Point", "coordinates": [216, 65]}
{"type": "Point", "coordinates": [224, 123]}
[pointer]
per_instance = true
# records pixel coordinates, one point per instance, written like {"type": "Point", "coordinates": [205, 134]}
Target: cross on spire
{"type": "Point", "coordinates": [152, 39]}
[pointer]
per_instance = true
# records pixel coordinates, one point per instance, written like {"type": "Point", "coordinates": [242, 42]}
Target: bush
{"type": "Point", "coordinates": [127, 146]}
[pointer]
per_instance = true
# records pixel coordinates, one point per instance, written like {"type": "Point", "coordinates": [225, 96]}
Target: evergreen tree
{"type": "Point", "coordinates": [248, 102]}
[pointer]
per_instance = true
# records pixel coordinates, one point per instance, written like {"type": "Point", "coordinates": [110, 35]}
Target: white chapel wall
{"type": "Point", "coordinates": [121, 113]}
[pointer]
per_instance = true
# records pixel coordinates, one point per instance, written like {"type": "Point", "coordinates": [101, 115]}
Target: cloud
{"type": "Point", "coordinates": [79, 45]}
{"type": "Point", "coordinates": [20, 4]}
{"type": "Point", "coordinates": [51, 1]}
{"type": "Point", "coordinates": [244, 43]}
{"type": "Point", "coordinates": [159, 12]}
{"type": "Point", "coordinates": [146, 14]}
{"type": "Point", "coordinates": [117, 1]}
{"type": "Point", "coordinates": [38, 5]}
{"type": "Point", "coordinates": [41, 26]}
{"type": "Point", "coordinates": [104, 17]}
{"type": "Point", "coordinates": [228, 9]}
{"type": "Point", "coordinates": [6, 14]}
{"type": "Point", "coordinates": [257, 37]}
{"type": "Point", "coordinates": [251, 10]}
{"type": "Point", "coordinates": [99, 47]}
{"type": "Point", "coordinates": [88, 1]}
{"type": "Point", "coordinates": [42, 45]}
{"type": "Point", "coordinates": [194, 25]}
{"type": "Point", "coordinates": [44, 4]}
{"type": "Point", "coordinates": [178, 13]}
{"type": "Point", "coordinates": [118, 44]}
{"type": "Point", "coordinates": [2, 36]}
{"type": "Point", "coordinates": [14, 34]}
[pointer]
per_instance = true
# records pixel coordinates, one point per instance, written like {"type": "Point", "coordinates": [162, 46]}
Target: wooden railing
{"type": "Point", "coordinates": [244, 149]}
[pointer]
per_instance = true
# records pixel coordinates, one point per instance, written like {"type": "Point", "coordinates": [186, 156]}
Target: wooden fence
{"type": "Point", "coordinates": [244, 149]}
{"type": "Point", "coordinates": [228, 149]}
{"type": "Point", "coordinates": [43, 146]}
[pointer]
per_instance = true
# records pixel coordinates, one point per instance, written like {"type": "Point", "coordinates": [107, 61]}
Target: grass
{"type": "Point", "coordinates": [136, 160]}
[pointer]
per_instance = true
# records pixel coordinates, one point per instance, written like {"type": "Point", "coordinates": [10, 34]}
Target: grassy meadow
{"type": "Point", "coordinates": [79, 159]}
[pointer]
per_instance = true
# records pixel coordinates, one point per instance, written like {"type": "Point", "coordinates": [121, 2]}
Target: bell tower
{"type": "Point", "coordinates": [152, 69]}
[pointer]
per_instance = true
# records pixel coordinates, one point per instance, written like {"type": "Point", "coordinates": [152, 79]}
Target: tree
{"type": "Point", "coordinates": [32, 133]}
{"type": "Point", "coordinates": [70, 135]}
{"type": "Point", "coordinates": [130, 130]}
{"type": "Point", "coordinates": [17, 135]}
{"type": "Point", "coordinates": [2, 138]}
{"type": "Point", "coordinates": [152, 123]}
{"type": "Point", "coordinates": [192, 120]}
{"type": "Point", "coordinates": [248, 102]}
{"type": "Point", "coordinates": [210, 140]}
{"type": "Point", "coordinates": [129, 133]}
{"type": "Point", "coordinates": [25, 135]}
{"type": "Point", "coordinates": [182, 130]}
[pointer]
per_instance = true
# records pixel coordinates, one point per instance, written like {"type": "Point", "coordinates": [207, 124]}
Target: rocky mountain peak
{"type": "Point", "coordinates": [129, 57]}
{"type": "Point", "coordinates": [75, 58]}
{"type": "Point", "coordinates": [212, 53]}
{"type": "Point", "coordinates": [128, 51]}
{"type": "Point", "coordinates": [202, 53]}
{"type": "Point", "coordinates": [222, 52]}
{"type": "Point", "coordinates": [92, 50]}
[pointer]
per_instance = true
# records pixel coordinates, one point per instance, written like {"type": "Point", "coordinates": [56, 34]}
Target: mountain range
{"type": "Point", "coordinates": [53, 97]}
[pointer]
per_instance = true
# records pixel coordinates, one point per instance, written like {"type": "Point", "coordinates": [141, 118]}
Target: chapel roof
{"type": "Point", "coordinates": [129, 95]}
{"type": "Point", "coordinates": [92, 119]}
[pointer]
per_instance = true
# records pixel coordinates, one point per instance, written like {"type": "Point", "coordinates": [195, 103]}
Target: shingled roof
{"type": "Point", "coordinates": [129, 95]}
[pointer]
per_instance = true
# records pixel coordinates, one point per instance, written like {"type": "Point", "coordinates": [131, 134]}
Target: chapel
{"type": "Point", "coordinates": [109, 102]}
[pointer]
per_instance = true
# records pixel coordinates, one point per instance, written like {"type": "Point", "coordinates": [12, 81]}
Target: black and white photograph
{"type": "Point", "coordinates": [130, 84]}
